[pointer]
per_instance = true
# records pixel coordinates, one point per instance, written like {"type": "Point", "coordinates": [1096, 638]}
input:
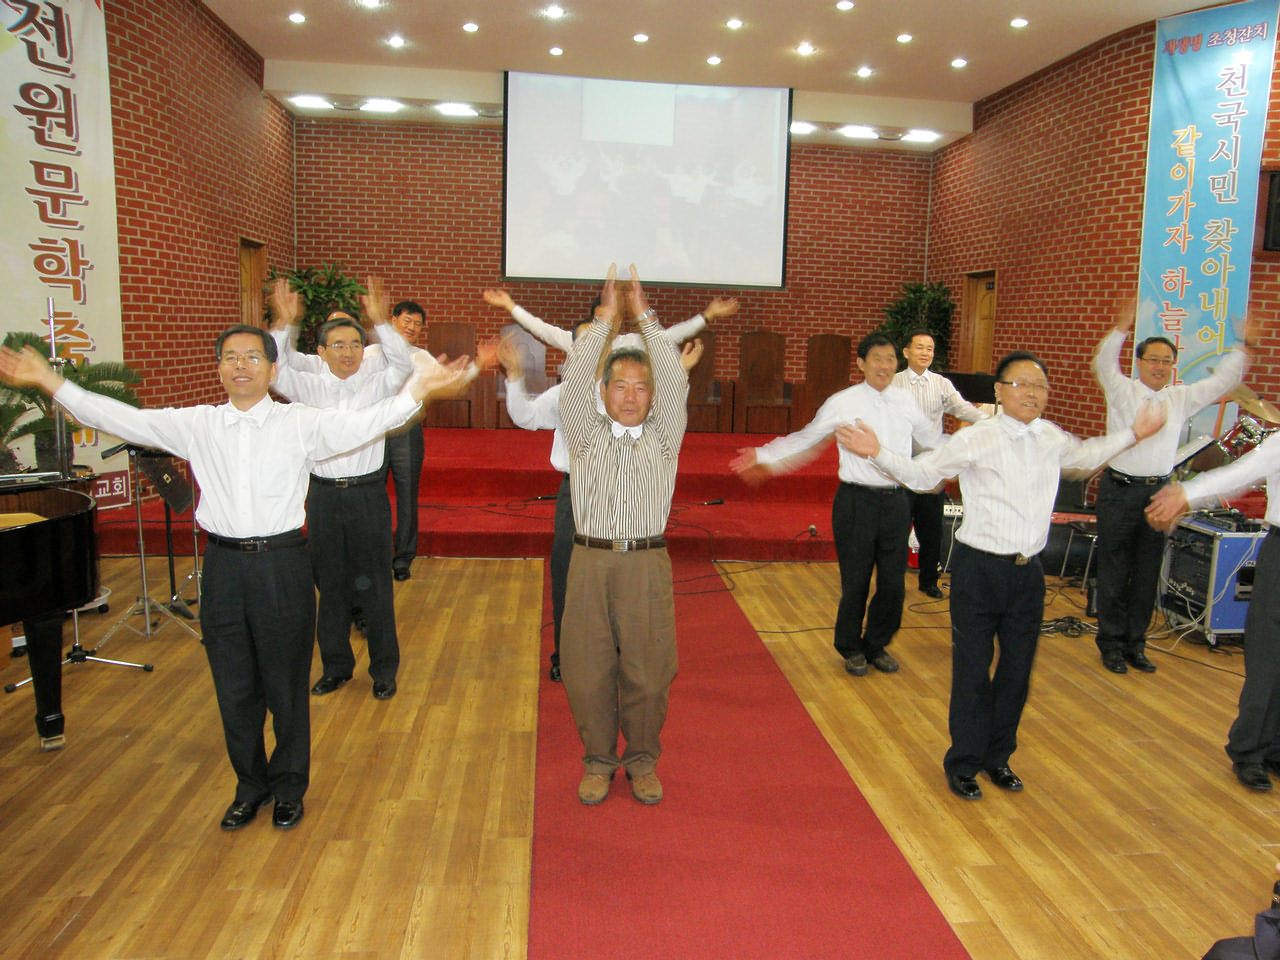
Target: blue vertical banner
{"type": "Point", "coordinates": [1210, 91]}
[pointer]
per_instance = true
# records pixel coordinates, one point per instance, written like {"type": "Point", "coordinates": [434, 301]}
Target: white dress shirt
{"type": "Point", "coordinates": [1263, 462]}
{"type": "Point", "coordinates": [891, 413]}
{"type": "Point", "coordinates": [539, 413]}
{"type": "Point", "coordinates": [317, 386]}
{"type": "Point", "coordinates": [251, 466]}
{"type": "Point", "coordinates": [1008, 474]}
{"type": "Point", "coordinates": [935, 395]}
{"type": "Point", "coordinates": [1154, 456]}
{"type": "Point", "coordinates": [562, 339]}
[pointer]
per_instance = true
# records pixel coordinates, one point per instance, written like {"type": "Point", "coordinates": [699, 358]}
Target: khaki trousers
{"type": "Point", "coordinates": [618, 654]}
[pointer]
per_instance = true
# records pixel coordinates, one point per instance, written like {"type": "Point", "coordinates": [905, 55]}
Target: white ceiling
{"type": "Point", "coordinates": [341, 52]}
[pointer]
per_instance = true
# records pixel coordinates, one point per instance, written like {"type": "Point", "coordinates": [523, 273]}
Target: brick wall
{"type": "Point", "coordinates": [202, 159]}
{"type": "Point", "coordinates": [1047, 191]}
{"type": "Point", "coordinates": [421, 206]}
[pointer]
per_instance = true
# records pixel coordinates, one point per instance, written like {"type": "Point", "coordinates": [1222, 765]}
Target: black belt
{"type": "Point", "coordinates": [374, 477]}
{"type": "Point", "coordinates": [280, 541]}
{"type": "Point", "coordinates": [1126, 480]}
{"type": "Point", "coordinates": [870, 489]}
{"type": "Point", "coordinates": [620, 546]}
{"type": "Point", "coordinates": [1017, 559]}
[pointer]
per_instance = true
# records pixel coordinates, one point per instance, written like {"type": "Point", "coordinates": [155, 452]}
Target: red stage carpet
{"type": "Point", "coordinates": [761, 848]}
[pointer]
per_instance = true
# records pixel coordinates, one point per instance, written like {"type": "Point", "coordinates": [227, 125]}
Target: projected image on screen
{"type": "Point", "coordinates": [687, 182]}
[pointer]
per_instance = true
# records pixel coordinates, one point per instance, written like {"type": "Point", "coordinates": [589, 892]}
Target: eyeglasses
{"type": "Point", "coordinates": [1035, 385]}
{"type": "Point", "coordinates": [1158, 361]}
{"type": "Point", "coordinates": [253, 359]}
{"type": "Point", "coordinates": [342, 347]}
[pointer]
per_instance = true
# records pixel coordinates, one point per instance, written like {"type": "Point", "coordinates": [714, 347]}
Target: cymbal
{"type": "Point", "coordinates": [1254, 405]}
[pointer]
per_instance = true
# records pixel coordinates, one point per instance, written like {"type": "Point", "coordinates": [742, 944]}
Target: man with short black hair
{"type": "Point", "coordinates": [250, 457]}
{"type": "Point", "coordinates": [1130, 551]}
{"type": "Point", "coordinates": [935, 395]}
{"type": "Point", "coordinates": [405, 452]}
{"type": "Point", "coordinates": [1008, 467]}
{"type": "Point", "coordinates": [870, 515]}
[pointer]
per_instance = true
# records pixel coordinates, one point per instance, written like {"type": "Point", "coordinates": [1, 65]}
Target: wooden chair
{"type": "Point", "coordinates": [710, 400]}
{"type": "Point", "coordinates": [478, 407]}
{"type": "Point", "coordinates": [826, 365]}
{"type": "Point", "coordinates": [762, 399]}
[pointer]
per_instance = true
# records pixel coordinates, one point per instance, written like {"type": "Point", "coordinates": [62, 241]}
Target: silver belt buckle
{"type": "Point", "coordinates": [1021, 560]}
{"type": "Point", "coordinates": [621, 546]}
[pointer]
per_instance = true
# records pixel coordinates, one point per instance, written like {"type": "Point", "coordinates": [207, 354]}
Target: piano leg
{"type": "Point", "coordinates": [44, 652]}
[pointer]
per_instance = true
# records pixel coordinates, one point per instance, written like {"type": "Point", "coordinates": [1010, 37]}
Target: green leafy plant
{"type": "Point", "coordinates": [322, 289]}
{"type": "Point", "coordinates": [922, 306]}
{"type": "Point", "coordinates": [108, 378]}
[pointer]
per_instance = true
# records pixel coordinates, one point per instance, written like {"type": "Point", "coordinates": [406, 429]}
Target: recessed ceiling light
{"type": "Point", "coordinates": [457, 110]}
{"type": "Point", "coordinates": [904, 38]}
{"type": "Point", "coordinates": [845, 5]}
{"type": "Point", "coordinates": [370, 3]}
{"type": "Point", "coordinates": [298, 17]}
{"type": "Point", "coordinates": [802, 127]}
{"type": "Point", "coordinates": [864, 72]}
{"type": "Point", "coordinates": [805, 48]}
{"type": "Point", "coordinates": [959, 62]}
{"type": "Point", "coordinates": [471, 27]}
{"type": "Point", "coordinates": [553, 12]}
{"type": "Point", "coordinates": [714, 61]}
{"type": "Point", "coordinates": [733, 23]}
{"type": "Point", "coordinates": [395, 40]}
{"type": "Point", "coordinates": [920, 136]}
{"type": "Point", "coordinates": [856, 131]}
{"type": "Point", "coordinates": [641, 38]}
{"type": "Point", "coordinates": [380, 105]}
{"type": "Point", "coordinates": [1018, 22]}
{"type": "Point", "coordinates": [555, 51]}
{"type": "Point", "coordinates": [309, 101]}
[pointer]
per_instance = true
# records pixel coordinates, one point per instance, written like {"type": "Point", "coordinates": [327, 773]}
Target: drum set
{"type": "Point", "coordinates": [1258, 419]}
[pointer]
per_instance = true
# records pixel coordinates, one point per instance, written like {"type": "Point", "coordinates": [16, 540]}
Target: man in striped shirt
{"type": "Point", "coordinates": [619, 645]}
{"type": "Point", "coordinates": [935, 395]}
{"type": "Point", "coordinates": [1008, 468]}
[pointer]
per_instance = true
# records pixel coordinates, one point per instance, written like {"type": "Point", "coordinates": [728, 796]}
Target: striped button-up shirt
{"type": "Point", "coordinates": [1008, 474]}
{"type": "Point", "coordinates": [622, 486]}
{"type": "Point", "coordinates": [935, 395]}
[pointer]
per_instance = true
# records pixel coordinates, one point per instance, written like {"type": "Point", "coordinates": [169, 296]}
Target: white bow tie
{"type": "Point", "coordinates": [618, 430]}
{"type": "Point", "coordinates": [231, 416]}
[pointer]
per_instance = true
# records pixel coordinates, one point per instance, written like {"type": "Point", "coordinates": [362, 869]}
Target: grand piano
{"type": "Point", "coordinates": [48, 566]}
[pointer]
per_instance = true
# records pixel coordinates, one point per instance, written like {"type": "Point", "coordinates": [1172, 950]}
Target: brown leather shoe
{"type": "Point", "coordinates": [647, 788]}
{"type": "Point", "coordinates": [593, 788]}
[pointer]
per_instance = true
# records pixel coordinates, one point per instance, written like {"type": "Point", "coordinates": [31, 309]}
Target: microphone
{"type": "Point", "coordinates": [547, 496]}
{"type": "Point", "coordinates": [713, 503]}
{"type": "Point", "coordinates": [112, 451]}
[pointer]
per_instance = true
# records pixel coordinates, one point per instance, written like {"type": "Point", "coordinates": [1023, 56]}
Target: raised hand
{"type": "Point", "coordinates": [690, 354]}
{"type": "Point", "coordinates": [1149, 419]}
{"type": "Point", "coordinates": [1126, 313]}
{"type": "Point", "coordinates": [509, 357]}
{"type": "Point", "coordinates": [376, 303]}
{"type": "Point", "coordinates": [746, 466]}
{"type": "Point", "coordinates": [285, 303]}
{"type": "Point", "coordinates": [447, 380]}
{"type": "Point", "coordinates": [637, 302]}
{"type": "Point", "coordinates": [487, 354]}
{"type": "Point", "coordinates": [28, 369]}
{"type": "Point", "coordinates": [721, 307]}
{"type": "Point", "coordinates": [499, 298]}
{"type": "Point", "coordinates": [858, 439]}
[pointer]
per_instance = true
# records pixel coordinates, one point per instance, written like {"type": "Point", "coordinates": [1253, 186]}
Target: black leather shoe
{"type": "Point", "coordinates": [327, 684]}
{"type": "Point", "coordinates": [287, 814]}
{"type": "Point", "coordinates": [242, 812]}
{"type": "Point", "coordinates": [401, 573]}
{"type": "Point", "coordinates": [933, 590]}
{"type": "Point", "coordinates": [962, 786]}
{"type": "Point", "coordinates": [883, 662]}
{"type": "Point", "coordinates": [1139, 661]}
{"type": "Point", "coordinates": [554, 673]}
{"type": "Point", "coordinates": [1005, 779]}
{"type": "Point", "coordinates": [856, 665]}
{"type": "Point", "coordinates": [1252, 775]}
{"type": "Point", "coordinates": [1115, 662]}
{"type": "Point", "coordinates": [384, 689]}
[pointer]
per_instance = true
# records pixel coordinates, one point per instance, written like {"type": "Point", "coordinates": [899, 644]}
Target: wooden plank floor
{"type": "Point", "coordinates": [1132, 839]}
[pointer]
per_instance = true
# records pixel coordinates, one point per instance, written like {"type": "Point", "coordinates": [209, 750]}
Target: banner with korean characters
{"type": "Point", "coordinates": [58, 199]}
{"type": "Point", "coordinates": [1211, 87]}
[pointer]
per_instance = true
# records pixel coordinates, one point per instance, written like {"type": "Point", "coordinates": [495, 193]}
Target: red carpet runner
{"type": "Point", "coordinates": [762, 848]}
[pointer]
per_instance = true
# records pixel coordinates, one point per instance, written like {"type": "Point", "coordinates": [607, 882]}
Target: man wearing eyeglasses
{"type": "Point", "coordinates": [251, 458]}
{"type": "Point", "coordinates": [1008, 467]}
{"type": "Point", "coordinates": [348, 507]}
{"type": "Point", "coordinates": [1130, 551]}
